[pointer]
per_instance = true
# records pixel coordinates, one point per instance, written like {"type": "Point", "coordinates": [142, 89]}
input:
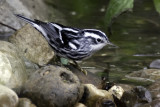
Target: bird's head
{"type": "Point", "coordinates": [97, 38]}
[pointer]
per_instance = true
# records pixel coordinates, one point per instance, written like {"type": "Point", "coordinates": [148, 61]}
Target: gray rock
{"type": "Point", "coordinates": [155, 64]}
{"type": "Point", "coordinates": [29, 8]}
{"type": "Point", "coordinates": [53, 86]}
{"type": "Point", "coordinates": [8, 98]}
{"type": "Point", "coordinates": [25, 102]}
{"type": "Point", "coordinates": [143, 94]}
{"type": "Point", "coordinates": [12, 68]}
{"type": "Point", "coordinates": [7, 16]}
{"type": "Point", "coordinates": [33, 45]}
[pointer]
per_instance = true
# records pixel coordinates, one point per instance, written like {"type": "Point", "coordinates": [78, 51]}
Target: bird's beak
{"type": "Point", "coordinates": [111, 45]}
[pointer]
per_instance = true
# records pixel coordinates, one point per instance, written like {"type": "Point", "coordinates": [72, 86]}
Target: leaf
{"type": "Point", "coordinates": [157, 5]}
{"type": "Point", "coordinates": [64, 61]}
{"type": "Point", "coordinates": [115, 8]}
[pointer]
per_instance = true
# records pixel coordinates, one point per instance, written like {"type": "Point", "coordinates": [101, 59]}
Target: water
{"type": "Point", "coordinates": [136, 33]}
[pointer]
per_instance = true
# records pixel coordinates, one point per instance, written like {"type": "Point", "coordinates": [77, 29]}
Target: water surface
{"type": "Point", "coordinates": [136, 33]}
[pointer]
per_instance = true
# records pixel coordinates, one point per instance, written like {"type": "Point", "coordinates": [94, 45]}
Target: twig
{"type": "Point", "coordinates": [8, 26]}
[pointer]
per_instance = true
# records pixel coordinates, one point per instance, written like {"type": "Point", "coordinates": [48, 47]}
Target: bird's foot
{"type": "Point", "coordinates": [81, 69]}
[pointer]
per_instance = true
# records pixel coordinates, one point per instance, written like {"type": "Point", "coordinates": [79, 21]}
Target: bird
{"type": "Point", "coordinates": [69, 42]}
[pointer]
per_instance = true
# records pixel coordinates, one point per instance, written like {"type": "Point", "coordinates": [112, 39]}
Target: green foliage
{"type": "Point", "coordinates": [157, 5]}
{"type": "Point", "coordinates": [115, 8]}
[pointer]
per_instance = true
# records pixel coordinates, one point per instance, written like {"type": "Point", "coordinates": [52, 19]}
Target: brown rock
{"type": "Point", "coordinates": [94, 97]}
{"type": "Point", "coordinates": [33, 45]}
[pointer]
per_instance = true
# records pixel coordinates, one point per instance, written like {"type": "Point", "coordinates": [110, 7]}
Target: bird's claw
{"type": "Point", "coordinates": [83, 71]}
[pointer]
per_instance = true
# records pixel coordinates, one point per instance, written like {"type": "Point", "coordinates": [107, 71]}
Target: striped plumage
{"type": "Point", "coordinates": [72, 43]}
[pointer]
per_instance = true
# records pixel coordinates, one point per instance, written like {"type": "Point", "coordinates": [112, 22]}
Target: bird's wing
{"type": "Point", "coordinates": [52, 35]}
{"type": "Point", "coordinates": [50, 31]}
{"type": "Point", "coordinates": [64, 33]}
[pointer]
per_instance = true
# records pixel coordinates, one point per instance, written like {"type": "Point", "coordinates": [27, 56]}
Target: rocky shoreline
{"type": "Point", "coordinates": [29, 79]}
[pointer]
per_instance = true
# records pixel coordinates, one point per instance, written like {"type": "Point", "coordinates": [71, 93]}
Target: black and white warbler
{"type": "Point", "coordinates": [72, 43]}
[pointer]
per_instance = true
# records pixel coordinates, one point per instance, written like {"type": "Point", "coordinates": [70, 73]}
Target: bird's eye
{"type": "Point", "coordinates": [99, 40]}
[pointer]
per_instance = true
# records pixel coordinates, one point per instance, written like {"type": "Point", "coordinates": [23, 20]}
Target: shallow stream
{"type": "Point", "coordinates": [136, 33]}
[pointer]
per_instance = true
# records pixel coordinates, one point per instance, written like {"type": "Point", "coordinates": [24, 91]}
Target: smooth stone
{"type": "Point", "coordinates": [33, 45]}
{"type": "Point", "coordinates": [53, 86]}
{"type": "Point", "coordinates": [94, 97]}
{"type": "Point", "coordinates": [146, 75]}
{"type": "Point", "coordinates": [8, 98]}
{"type": "Point", "coordinates": [12, 68]}
{"type": "Point", "coordinates": [155, 64]}
{"type": "Point", "coordinates": [25, 102]}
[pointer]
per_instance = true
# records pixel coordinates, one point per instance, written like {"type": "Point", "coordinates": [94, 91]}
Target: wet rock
{"type": "Point", "coordinates": [143, 94]}
{"type": "Point", "coordinates": [129, 99]}
{"type": "Point", "coordinates": [117, 91]}
{"type": "Point", "coordinates": [150, 75]}
{"type": "Point", "coordinates": [25, 102]}
{"type": "Point", "coordinates": [33, 45]}
{"type": "Point", "coordinates": [53, 86]}
{"type": "Point", "coordinates": [12, 67]}
{"type": "Point", "coordinates": [155, 90]}
{"type": "Point", "coordinates": [94, 97]}
{"type": "Point", "coordinates": [155, 64]}
{"type": "Point", "coordinates": [135, 97]}
{"type": "Point", "coordinates": [8, 98]}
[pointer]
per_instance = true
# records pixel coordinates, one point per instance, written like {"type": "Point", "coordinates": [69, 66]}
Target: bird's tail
{"type": "Point", "coordinates": [25, 19]}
